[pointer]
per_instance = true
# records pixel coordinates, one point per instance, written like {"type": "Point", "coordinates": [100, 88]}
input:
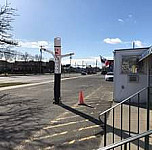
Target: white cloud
{"type": "Point", "coordinates": [112, 41]}
{"type": "Point", "coordinates": [35, 44]}
{"type": "Point", "coordinates": [126, 19]}
{"type": "Point", "coordinates": [120, 20]}
{"type": "Point", "coordinates": [138, 43]}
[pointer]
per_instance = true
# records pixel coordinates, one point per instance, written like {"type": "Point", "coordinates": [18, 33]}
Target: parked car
{"type": "Point", "coordinates": [94, 72]}
{"type": "Point", "coordinates": [109, 76]}
{"type": "Point", "coordinates": [103, 72]}
{"type": "Point", "coordinates": [83, 73]}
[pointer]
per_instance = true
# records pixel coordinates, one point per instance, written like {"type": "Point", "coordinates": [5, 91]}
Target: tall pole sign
{"type": "Point", "coordinates": [57, 71]}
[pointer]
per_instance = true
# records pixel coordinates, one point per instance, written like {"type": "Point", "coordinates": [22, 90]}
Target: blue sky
{"type": "Point", "coordinates": [88, 28]}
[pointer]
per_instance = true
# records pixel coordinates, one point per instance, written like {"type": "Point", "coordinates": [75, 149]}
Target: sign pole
{"type": "Point", "coordinates": [57, 71]}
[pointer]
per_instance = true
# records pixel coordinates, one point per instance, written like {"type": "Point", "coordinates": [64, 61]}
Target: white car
{"type": "Point", "coordinates": [109, 76]}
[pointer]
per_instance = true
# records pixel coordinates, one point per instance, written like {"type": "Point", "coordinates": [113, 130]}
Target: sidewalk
{"type": "Point", "coordinates": [125, 125]}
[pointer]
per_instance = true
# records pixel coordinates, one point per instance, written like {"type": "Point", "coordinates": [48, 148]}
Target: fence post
{"type": "Point", "coordinates": [148, 117]}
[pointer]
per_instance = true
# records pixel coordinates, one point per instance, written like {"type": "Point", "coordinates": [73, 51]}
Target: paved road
{"type": "Point", "coordinates": [33, 78]}
{"type": "Point", "coordinates": [30, 121]}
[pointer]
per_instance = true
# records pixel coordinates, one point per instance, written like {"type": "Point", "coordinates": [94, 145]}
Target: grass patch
{"type": "Point", "coordinates": [11, 84]}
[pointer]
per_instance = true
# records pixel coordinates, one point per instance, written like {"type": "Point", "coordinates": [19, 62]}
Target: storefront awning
{"type": "Point", "coordinates": [146, 54]}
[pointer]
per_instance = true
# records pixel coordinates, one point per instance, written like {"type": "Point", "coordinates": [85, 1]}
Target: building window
{"type": "Point", "coordinates": [130, 65]}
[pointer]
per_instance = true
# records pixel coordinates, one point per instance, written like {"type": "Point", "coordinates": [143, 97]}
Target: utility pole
{"type": "Point", "coordinates": [57, 72]}
{"type": "Point", "coordinates": [41, 60]}
{"type": "Point", "coordinates": [96, 64]}
{"type": "Point", "coordinates": [82, 63]}
{"type": "Point", "coordinates": [70, 63]}
{"type": "Point", "coordinates": [70, 59]}
{"type": "Point", "coordinates": [133, 45]}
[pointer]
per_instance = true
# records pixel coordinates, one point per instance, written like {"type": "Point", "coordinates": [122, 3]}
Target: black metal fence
{"type": "Point", "coordinates": [104, 115]}
{"type": "Point", "coordinates": [125, 142]}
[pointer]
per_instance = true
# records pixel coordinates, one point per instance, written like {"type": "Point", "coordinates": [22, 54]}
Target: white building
{"type": "Point", "coordinates": [132, 72]}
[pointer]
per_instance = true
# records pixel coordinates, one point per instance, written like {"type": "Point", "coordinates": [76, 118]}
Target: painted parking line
{"type": "Point", "coordinates": [58, 134]}
{"type": "Point", "coordinates": [48, 148]}
{"type": "Point", "coordinates": [69, 117]}
{"type": "Point", "coordinates": [79, 140]}
{"type": "Point", "coordinates": [20, 147]}
{"type": "Point", "coordinates": [65, 124]}
{"type": "Point", "coordinates": [87, 138]}
{"type": "Point", "coordinates": [39, 133]}
{"type": "Point", "coordinates": [89, 127]}
{"type": "Point", "coordinates": [46, 137]}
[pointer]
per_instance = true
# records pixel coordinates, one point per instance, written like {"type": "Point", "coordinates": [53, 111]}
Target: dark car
{"type": "Point", "coordinates": [83, 73]}
{"type": "Point", "coordinates": [103, 72]}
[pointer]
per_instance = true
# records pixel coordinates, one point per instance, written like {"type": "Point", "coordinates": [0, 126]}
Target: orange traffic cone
{"type": "Point", "coordinates": [81, 98]}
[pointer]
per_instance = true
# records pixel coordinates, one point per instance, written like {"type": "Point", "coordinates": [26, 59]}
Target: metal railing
{"type": "Point", "coordinates": [128, 140]}
{"type": "Point", "coordinates": [129, 102]}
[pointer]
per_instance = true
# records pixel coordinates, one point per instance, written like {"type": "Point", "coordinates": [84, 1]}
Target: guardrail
{"type": "Point", "coordinates": [128, 140]}
{"type": "Point", "coordinates": [128, 101]}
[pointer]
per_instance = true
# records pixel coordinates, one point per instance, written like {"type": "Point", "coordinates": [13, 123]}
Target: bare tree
{"type": "Point", "coordinates": [37, 57]}
{"type": "Point", "coordinates": [25, 57]}
{"type": "Point", "coordinates": [7, 54]}
{"type": "Point", "coordinates": [6, 17]}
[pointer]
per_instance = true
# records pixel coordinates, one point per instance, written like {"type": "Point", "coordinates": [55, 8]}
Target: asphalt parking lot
{"type": "Point", "coordinates": [30, 121]}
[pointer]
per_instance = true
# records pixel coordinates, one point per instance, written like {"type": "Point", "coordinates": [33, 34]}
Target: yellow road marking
{"type": "Point", "coordinates": [90, 127]}
{"type": "Point", "coordinates": [57, 134]}
{"type": "Point", "coordinates": [64, 124]}
{"type": "Point", "coordinates": [48, 148]}
{"type": "Point", "coordinates": [54, 121]}
{"type": "Point", "coordinates": [62, 133]}
{"type": "Point", "coordinates": [67, 117]}
{"type": "Point", "coordinates": [49, 136]}
{"type": "Point", "coordinates": [71, 142]}
{"type": "Point", "coordinates": [79, 140]}
{"type": "Point", "coordinates": [87, 138]}
{"type": "Point", "coordinates": [62, 115]}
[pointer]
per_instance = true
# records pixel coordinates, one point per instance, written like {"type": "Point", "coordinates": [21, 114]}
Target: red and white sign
{"type": "Point", "coordinates": [57, 51]}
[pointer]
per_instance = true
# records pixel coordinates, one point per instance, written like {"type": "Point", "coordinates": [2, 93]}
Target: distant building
{"type": "Point", "coordinates": [26, 67]}
{"type": "Point", "coordinates": [4, 66]}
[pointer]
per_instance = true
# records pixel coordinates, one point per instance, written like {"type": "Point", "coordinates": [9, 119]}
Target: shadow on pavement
{"type": "Point", "coordinates": [90, 118]}
{"type": "Point", "coordinates": [19, 117]}
{"type": "Point", "coordinates": [86, 105]}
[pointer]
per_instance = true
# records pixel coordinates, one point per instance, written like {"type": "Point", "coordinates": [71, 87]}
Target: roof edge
{"type": "Point", "coordinates": [131, 49]}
